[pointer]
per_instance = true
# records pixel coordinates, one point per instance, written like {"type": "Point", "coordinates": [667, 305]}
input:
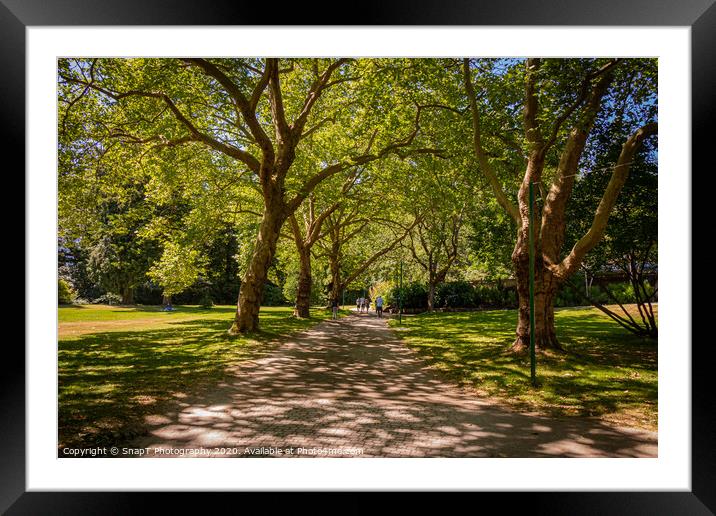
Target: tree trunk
{"type": "Point", "coordinates": [166, 300]}
{"type": "Point", "coordinates": [252, 284]}
{"type": "Point", "coordinates": [335, 277]}
{"type": "Point", "coordinates": [431, 296]}
{"type": "Point", "coordinates": [127, 295]}
{"type": "Point", "coordinates": [545, 292]}
{"type": "Point", "coordinates": [303, 295]}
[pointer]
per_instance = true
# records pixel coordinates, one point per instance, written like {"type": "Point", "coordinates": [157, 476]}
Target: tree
{"type": "Point", "coordinates": [256, 112]}
{"type": "Point", "coordinates": [305, 239]}
{"type": "Point", "coordinates": [629, 245]}
{"type": "Point", "coordinates": [436, 240]}
{"type": "Point", "coordinates": [560, 102]}
{"type": "Point", "coordinates": [177, 269]}
{"type": "Point", "coordinates": [117, 260]}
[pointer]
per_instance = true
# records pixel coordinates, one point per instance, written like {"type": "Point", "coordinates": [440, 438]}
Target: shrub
{"type": "Point", "coordinates": [455, 294]}
{"type": "Point", "coordinates": [65, 293]}
{"type": "Point", "coordinates": [205, 301]}
{"type": "Point", "coordinates": [623, 292]}
{"type": "Point", "coordinates": [495, 296]}
{"type": "Point", "coordinates": [110, 298]}
{"type": "Point", "coordinates": [414, 295]}
{"type": "Point", "coordinates": [148, 293]}
{"type": "Point", "coordinates": [568, 297]}
{"type": "Point", "coordinates": [273, 296]}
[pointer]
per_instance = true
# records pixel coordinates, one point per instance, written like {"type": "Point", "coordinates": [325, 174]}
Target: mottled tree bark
{"type": "Point", "coordinates": [127, 295]}
{"type": "Point", "coordinates": [545, 286]}
{"type": "Point", "coordinates": [435, 278]}
{"type": "Point", "coordinates": [305, 241]}
{"type": "Point", "coordinates": [305, 282]}
{"type": "Point", "coordinates": [252, 284]}
{"type": "Point", "coordinates": [551, 269]}
{"type": "Point", "coordinates": [334, 262]}
{"type": "Point", "coordinates": [431, 295]}
{"type": "Point", "coordinates": [545, 291]}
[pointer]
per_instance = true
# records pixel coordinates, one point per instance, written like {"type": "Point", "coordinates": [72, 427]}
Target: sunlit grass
{"type": "Point", "coordinates": [125, 362]}
{"type": "Point", "coordinates": [120, 313]}
{"type": "Point", "coordinates": [606, 372]}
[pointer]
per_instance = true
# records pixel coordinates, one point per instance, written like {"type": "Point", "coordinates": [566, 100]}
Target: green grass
{"type": "Point", "coordinates": [119, 364]}
{"type": "Point", "coordinates": [606, 372]}
{"type": "Point", "coordinates": [83, 313]}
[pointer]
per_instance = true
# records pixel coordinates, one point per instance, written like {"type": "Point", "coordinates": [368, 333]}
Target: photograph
{"type": "Point", "coordinates": [357, 257]}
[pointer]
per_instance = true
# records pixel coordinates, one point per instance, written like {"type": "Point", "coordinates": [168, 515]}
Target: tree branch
{"type": "Point", "coordinates": [196, 135]}
{"type": "Point", "coordinates": [331, 170]}
{"type": "Point", "coordinates": [619, 175]}
{"type": "Point", "coordinates": [555, 204]}
{"type": "Point", "coordinates": [283, 131]}
{"type": "Point", "coordinates": [583, 94]}
{"type": "Point", "coordinates": [480, 153]}
{"type": "Point", "coordinates": [532, 129]}
{"type": "Point", "coordinates": [320, 84]}
{"type": "Point", "coordinates": [247, 108]}
{"type": "Point", "coordinates": [377, 255]}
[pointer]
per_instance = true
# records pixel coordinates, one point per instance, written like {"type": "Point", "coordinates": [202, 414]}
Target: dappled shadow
{"type": "Point", "coordinates": [179, 309]}
{"type": "Point", "coordinates": [109, 382]}
{"type": "Point", "coordinates": [604, 371]}
{"type": "Point", "coordinates": [349, 384]}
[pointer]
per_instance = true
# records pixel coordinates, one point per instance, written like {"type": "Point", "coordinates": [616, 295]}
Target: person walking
{"type": "Point", "coordinates": [359, 304]}
{"type": "Point", "coordinates": [379, 306]}
{"type": "Point", "coordinates": [367, 305]}
{"type": "Point", "coordinates": [334, 305]}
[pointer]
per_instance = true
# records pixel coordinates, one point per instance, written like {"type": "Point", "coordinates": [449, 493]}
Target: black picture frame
{"type": "Point", "coordinates": [700, 15]}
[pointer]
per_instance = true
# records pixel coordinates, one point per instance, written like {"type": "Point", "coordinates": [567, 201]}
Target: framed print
{"type": "Point", "coordinates": [66, 403]}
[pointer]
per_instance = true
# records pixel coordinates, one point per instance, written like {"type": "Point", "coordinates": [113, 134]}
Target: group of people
{"type": "Point", "coordinates": [363, 305]}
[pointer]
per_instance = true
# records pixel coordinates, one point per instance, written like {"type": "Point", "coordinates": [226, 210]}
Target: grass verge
{"type": "Point", "coordinates": [606, 371]}
{"type": "Point", "coordinates": [118, 365]}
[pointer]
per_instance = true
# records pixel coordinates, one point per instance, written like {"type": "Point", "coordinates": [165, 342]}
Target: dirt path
{"type": "Point", "coordinates": [347, 388]}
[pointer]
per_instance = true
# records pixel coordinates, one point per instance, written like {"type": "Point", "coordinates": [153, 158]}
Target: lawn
{"type": "Point", "coordinates": [606, 371]}
{"type": "Point", "coordinates": [116, 365]}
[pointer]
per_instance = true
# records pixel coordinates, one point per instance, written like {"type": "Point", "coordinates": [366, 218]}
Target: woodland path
{"type": "Point", "coordinates": [350, 385]}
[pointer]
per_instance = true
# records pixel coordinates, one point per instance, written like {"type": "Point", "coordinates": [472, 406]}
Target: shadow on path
{"type": "Point", "coordinates": [350, 384]}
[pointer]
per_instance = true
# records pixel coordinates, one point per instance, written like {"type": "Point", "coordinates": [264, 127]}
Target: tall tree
{"type": "Point", "coordinates": [561, 101]}
{"type": "Point", "coordinates": [356, 239]}
{"type": "Point", "coordinates": [256, 112]}
{"type": "Point", "coordinates": [443, 197]}
{"type": "Point", "coordinates": [305, 238]}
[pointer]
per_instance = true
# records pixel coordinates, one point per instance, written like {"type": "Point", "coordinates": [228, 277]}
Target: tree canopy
{"type": "Point", "coordinates": [297, 180]}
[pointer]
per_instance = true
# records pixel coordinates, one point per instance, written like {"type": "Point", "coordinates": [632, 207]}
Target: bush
{"type": "Point", "coordinates": [65, 293]}
{"type": "Point", "coordinates": [495, 296]}
{"type": "Point", "coordinates": [455, 294]}
{"type": "Point", "coordinates": [273, 296]}
{"type": "Point", "coordinates": [148, 293]}
{"type": "Point", "coordinates": [109, 298]}
{"type": "Point", "coordinates": [568, 297]}
{"type": "Point", "coordinates": [413, 295]}
{"type": "Point", "coordinates": [623, 292]}
{"type": "Point", "coordinates": [206, 301]}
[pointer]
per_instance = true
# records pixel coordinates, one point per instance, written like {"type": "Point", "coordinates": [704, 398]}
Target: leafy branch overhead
{"type": "Point", "coordinates": [323, 174]}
